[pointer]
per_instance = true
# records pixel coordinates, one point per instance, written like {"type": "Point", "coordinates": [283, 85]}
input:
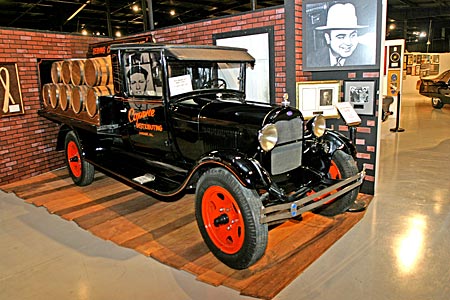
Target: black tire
{"type": "Point", "coordinates": [81, 171]}
{"type": "Point", "coordinates": [346, 167]}
{"type": "Point", "coordinates": [437, 103]}
{"type": "Point", "coordinates": [238, 239]}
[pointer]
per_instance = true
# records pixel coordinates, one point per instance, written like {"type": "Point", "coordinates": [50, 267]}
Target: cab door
{"type": "Point", "coordinates": [147, 129]}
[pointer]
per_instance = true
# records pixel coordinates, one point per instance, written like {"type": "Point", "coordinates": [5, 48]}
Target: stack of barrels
{"type": "Point", "coordinates": [77, 84]}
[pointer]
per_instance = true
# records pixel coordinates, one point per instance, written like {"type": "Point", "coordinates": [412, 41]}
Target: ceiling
{"type": "Point", "coordinates": [409, 16]}
{"type": "Point", "coordinates": [55, 14]}
{"type": "Point", "coordinates": [424, 24]}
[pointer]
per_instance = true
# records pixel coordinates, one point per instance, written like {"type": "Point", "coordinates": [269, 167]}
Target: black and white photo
{"type": "Point", "coordinates": [360, 94]}
{"type": "Point", "coordinates": [340, 34]}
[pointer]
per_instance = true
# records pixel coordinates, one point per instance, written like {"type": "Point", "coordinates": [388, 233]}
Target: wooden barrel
{"type": "Point", "coordinates": [65, 71]}
{"type": "Point", "coordinates": [92, 97]}
{"type": "Point", "coordinates": [54, 95]}
{"type": "Point", "coordinates": [78, 98]}
{"type": "Point", "coordinates": [56, 71]}
{"type": "Point", "coordinates": [77, 71]}
{"type": "Point", "coordinates": [65, 95]}
{"type": "Point", "coordinates": [98, 71]}
{"type": "Point", "coordinates": [46, 94]}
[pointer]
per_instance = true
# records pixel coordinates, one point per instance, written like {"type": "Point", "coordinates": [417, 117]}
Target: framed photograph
{"type": "Point", "coordinates": [410, 59]}
{"type": "Point", "coordinates": [419, 59]}
{"type": "Point", "coordinates": [361, 95]}
{"type": "Point", "coordinates": [408, 70]}
{"type": "Point", "coordinates": [11, 102]}
{"type": "Point", "coordinates": [329, 24]}
{"type": "Point", "coordinates": [318, 98]}
{"type": "Point", "coordinates": [436, 58]}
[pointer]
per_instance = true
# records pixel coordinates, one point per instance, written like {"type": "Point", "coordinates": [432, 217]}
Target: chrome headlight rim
{"type": "Point", "coordinates": [268, 137]}
{"type": "Point", "coordinates": [319, 126]}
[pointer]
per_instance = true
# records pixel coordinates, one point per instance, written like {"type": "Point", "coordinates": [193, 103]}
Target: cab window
{"type": "Point", "coordinates": [143, 73]}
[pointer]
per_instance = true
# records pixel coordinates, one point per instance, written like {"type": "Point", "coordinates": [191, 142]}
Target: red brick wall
{"type": "Point", "coordinates": [27, 141]}
{"type": "Point", "coordinates": [202, 33]}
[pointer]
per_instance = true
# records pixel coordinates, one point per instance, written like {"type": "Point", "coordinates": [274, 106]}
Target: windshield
{"type": "Point", "coordinates": [189, 76]}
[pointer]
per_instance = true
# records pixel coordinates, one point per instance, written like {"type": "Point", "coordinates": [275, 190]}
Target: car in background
{"type": "Point", "coordinates": [437, 88]}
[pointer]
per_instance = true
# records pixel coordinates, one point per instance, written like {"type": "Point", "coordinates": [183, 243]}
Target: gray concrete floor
{"type": "Point", "coordinates": [400, 250]}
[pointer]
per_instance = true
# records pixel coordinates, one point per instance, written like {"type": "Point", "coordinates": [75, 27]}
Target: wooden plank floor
{"type": "Point", "coordinates": [167, 231]}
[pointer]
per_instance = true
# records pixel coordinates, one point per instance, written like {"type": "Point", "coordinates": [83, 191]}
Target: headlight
{"type": "Point", "coordinates": [319, 125]}
{"type": "Point", "coordinates": [268, 137]}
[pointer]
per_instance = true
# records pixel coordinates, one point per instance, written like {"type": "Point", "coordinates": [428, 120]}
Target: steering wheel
{"type": "Point", "coordinates": [216, 83]}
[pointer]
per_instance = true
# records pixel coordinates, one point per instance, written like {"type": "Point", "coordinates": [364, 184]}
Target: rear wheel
{"type": "Point", "coordinates": [342, 166]}
{"type": "Point", "coordinates": [81, 171]}
{"type": "Point", "coordinates": [228, 216]}
{"type": "Point", "coordinates": [437, 103]}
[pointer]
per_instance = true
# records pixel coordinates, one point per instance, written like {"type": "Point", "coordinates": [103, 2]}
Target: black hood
{"type": "Point", "coordinates": [252, 114]}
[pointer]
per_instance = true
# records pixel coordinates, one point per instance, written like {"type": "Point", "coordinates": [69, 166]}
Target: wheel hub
{"type": "Point", "coordinates": [221, 220]}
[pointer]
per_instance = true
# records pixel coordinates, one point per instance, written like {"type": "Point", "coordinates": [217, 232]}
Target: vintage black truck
{"type": "Point", "coordinates": [176, 121]}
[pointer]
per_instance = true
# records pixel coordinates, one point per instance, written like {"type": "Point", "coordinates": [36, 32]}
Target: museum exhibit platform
{"type": "Point", "coordinates": [168, 232]}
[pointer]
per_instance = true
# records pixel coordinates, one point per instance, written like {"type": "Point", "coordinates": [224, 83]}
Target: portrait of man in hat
{"type": "Point", "coordinates": [336, 42]}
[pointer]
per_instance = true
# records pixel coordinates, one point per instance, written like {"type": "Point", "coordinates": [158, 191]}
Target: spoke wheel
{"type": "Point", "coordinates": [228, 217]}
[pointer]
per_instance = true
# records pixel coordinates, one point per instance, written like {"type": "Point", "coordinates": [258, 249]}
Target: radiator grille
{"type": "Point", "coordinates": [288, 131]}
{"type": "Point", "coordinates": [287, 155]}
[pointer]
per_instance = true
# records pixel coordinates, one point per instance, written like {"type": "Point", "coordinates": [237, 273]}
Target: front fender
{"type": "Point", "coordinates": [247, 170]}
{"type": "Point", "coordinates": [338, 141]}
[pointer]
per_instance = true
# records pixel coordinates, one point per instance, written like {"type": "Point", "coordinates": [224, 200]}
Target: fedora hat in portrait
{"type": "Point", "coordinates": [341, 16]}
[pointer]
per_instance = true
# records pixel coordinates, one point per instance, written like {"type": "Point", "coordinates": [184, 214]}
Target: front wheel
{"type": "Point", "coordinates": [437, 103]}
{"type": "Point", "coordinates": [228, 216]}
{"type": "Point", "coordinates": [81, 171]}
{"type": "Point", "coordinates": [342, 166]}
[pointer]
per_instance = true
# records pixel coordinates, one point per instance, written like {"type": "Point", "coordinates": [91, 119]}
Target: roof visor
{"type": "Point", "coordinates": [211, 54]}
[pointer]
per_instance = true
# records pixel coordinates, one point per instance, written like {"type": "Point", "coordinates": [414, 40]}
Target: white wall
{"type": "Point", "coordinates": [409, 82]}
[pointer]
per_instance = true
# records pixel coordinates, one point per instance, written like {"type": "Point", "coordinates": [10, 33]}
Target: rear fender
{"type": "Point", "coordinates": [87, 141]}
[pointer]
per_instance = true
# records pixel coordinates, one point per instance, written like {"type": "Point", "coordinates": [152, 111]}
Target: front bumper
{"type": "Point", "coordinates": [301, 205]}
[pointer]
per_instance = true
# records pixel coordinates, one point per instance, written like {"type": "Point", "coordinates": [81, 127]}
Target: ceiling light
{"type": "Point", "coordinates": [135, 8]}
{"type": "Point", "coordinates": [392, 26]}
{"type": "Point", "coordinates": [172, 12]}
{"type": "Point", "coordinates": [118, 34]}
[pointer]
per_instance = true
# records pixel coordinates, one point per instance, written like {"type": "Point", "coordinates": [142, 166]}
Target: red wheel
{"type": "Point", "coordinates": [228, 216]}
{"type": "Point", "coordinates": [223, 219]}
{"type": "Point", "coordinates": [334, 171]}
{"type": "Point", "coordinates": [342, 166]}
{"type": "Point", "coordinates": [81, 171]}
{"type": "Point", "coordinates": [74, 159]}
